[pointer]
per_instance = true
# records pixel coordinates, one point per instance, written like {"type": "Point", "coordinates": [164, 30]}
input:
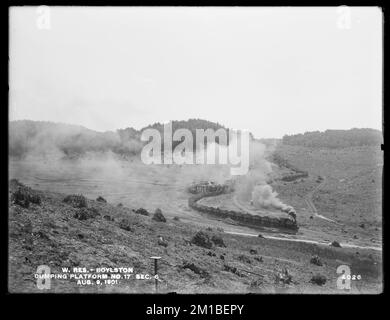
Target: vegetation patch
{"type": "Point", "coordinates": [23, 195]}
{"type": "Point", "coordinates": [158, 216]}
{"type": "Point", "coordinates": [316, 260]}
{"type": "Point", "coordinates": [202, 239]}
{"type": "Point", "coordinates": [194, 268]}
{"type": "Point", "coordinates": [318, 279]}
{"type": "Point", "coordinates": [125, 224]}
{"type": "Point", "coordinates": [86, 213]}
{"type": "Point", "coordinates": [218, 241]}
{"type": "Point", "coordinates": [76, 200]}
{"type": "Point", "coordinates": [142, 212]}
{"type": "Point", "coordinates": [101, 199]}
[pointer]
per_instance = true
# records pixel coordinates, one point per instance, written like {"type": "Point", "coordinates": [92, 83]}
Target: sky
{"type": "Point", "coordinates": [272, 71]}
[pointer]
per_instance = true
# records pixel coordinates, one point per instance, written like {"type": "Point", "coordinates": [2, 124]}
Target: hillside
{"type": "Point", "coordinates": [28, 137]}
{"type": "Point", "coordinates": [343, 184]}
{"type": "Point", "coordinates": [64, 231]}
{"type": "Point", "coordinates": [335, 138]}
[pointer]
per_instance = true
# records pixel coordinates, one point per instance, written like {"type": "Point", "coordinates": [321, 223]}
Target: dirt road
{"type": "Point", "coordinates": [287, 238]}
{"type": "Point", "coordinates": [309, 202]}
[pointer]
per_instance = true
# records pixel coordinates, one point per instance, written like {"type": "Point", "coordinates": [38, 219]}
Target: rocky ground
{"type": "Point", "coordinates": [58, 230]}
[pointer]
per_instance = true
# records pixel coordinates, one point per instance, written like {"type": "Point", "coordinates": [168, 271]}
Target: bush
{"type": "Point", "coordinates": [316, 260]}
{"type": "Point", "coordinates": [233, 270]}
{"type": "Point", "coordinates": [202, 239]}
{"type": "Point", "coordinates": [108, 218]}
{"type": "Point", "coordinates": [76, 200]}
{"type": "Point", "coordinates": [318, 279]}
{"type": "Point", "coordinates": [86, 213]}
{"type": "Point", "coordinates": [259, 259]}
{"type": "Point", "coordinates": [194, 268]}
{"type": "Point", "coordinates": [244, 258]}
{"type": "Point", "coordinates": [256, 283]}
{"type": "Point", "coordinates": [335, 244]}
{"type": "Point", "coordinates": [142, 212]}
{"type": "Point", "coordinates": [162, 242]}
{"type": "Point", "coordinates": [283, 277]}
{"type": "Point", "coordinates": [101, 199]}
{"type": "Point", "coordinates": [218, 241]}
{"type": "Point", "coordinates": [81, 214]}
{"type": "Point", "coordinates": [125, 225]}
{"type": "Point", "coordinates": [23, 196]}
{"type": "Point", "coordinates": [336, 138]}
{"type": "Point", "coordinates": [158, 216]}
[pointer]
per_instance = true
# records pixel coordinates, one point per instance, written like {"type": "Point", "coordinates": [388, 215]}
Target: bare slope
{"type": "Point", "coordinates": [344, 185]}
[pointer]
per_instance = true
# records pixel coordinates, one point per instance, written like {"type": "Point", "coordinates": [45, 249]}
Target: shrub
{"type": "Point", "coordinates": [158, 216]}
{"type": "Point", "coordinates": [318, 279]}
{"type": "Point", "coordinates": [244, 258]}
{"type": "Point", "coordinates": [259, 259]}
{"type": "Point", "coordinates": [283, 277]}
{"type": "Point", "coordinates": [82, 214]}
{"type": "Point", "coordinates": [162, 242]}
{"type": "Point", "coordinates": [101, 199]}
{"type": "Point", "coordinates": [23, 196]}
{"type": "Point", "coordinates": [142, 211]}
{"type": "Point", "coordinates": [316, 260]}
{"type": "Point", "coordinates": [218, 241]}
{"type": "Point", "coordinates": [194, 268]}
{"type": "Point", "coordinates": [232, 269]}
{"type": "Point", "coordinates": [125, 225]}
{"type": "Point", "coordinates": [256, 283]}
{"type": "Point", "coordinates": [335, 244]}
{"type": "Point", "coordinates": [76, 200]}
{"type": "Point", "coordinates": [211, 254]}
{"type": "Point", "coordinates": [202, 239]}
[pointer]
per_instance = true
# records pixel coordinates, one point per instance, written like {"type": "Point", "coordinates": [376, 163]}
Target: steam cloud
{"type": "Point", "coordinates": [254, 187]}
{"type": "Point", "coordinates": [100, 153]}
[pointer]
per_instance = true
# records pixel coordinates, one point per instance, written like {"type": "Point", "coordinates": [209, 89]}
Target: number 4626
{"type": "Point", "coordinates": [345, 278]}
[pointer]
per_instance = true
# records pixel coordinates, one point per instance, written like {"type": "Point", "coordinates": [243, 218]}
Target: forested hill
{"type": "Point", "coordinates": [336, 138]}
{"type": "Point", "coordinates": [41, 137]}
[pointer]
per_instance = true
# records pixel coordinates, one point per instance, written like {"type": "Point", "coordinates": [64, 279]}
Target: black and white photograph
{"type": "Point", "coordinates": [195, 150]}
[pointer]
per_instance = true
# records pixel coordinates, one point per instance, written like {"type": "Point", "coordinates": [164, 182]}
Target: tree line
{"type": "Point", "coordinates": [335, 138]}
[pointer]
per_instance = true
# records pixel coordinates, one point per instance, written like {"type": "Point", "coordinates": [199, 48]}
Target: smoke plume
{"type": "Point", "coordinates": [254, 187]}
